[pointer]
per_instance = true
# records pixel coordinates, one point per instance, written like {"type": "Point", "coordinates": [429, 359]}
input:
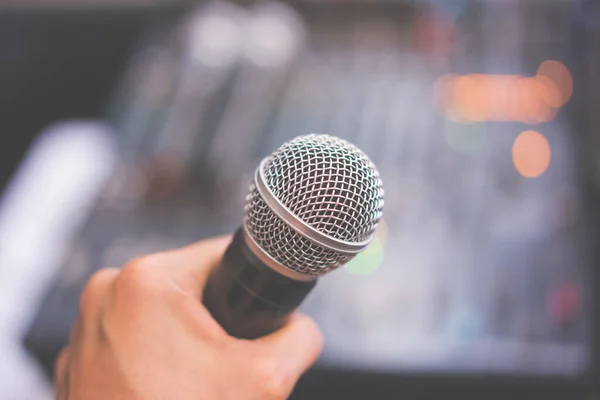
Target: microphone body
{"type": "Point", "coordinates": [246, 297]}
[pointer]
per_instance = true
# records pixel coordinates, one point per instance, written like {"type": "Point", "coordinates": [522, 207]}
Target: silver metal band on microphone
{"type": "Point", "coordinates": [300, 226]}
{"type": "Point", "coordinates": [269, 261]}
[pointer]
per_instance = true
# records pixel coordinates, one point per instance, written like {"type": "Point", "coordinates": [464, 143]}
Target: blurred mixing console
{"type": "Point", "coordinates": [481, 264]}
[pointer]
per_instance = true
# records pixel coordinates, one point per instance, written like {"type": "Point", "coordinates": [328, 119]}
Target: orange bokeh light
{"type": "Point", "coordinates": [560, 75]}
{"type": "Point", "coordinates": [444, 89]}
{"type": "Point", "coordinates": [512, 100]}
{"type": "Point", "coordinates": [548, 91]}
{"type": "Point", "coordinates": [536, 108]}
{"type": "Point", "coordinates": [527, 100]}
{"type": "Point", "coordinates": [462, 98]}
{"type": "Point", "coordinates": [532, 100]}
{"type": "Point", "coordinates": [531, 154]}
{"type": "Point", "coordinates": [480, 100]}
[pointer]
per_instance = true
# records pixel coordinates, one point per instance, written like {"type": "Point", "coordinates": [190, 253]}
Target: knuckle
{"type": "Point", "coordinates": [137, 277]}
{"type": "Point", "coordinates": [274, 384]}
{"type": "Point", "coordinates": [94, 289]}
{"type": "Point", "coordinates": [106, 327]}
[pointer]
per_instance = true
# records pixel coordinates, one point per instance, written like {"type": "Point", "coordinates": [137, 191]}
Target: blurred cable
{"type": "Point", "coordinates": [273, 38]}
{"type": "Point", "coordinates": [211, 40]}
{"type": "Point", "coordinates": [165, 100]}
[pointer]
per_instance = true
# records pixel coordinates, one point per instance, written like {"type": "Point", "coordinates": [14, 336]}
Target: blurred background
{"type": "Point", "coordinates": [135, 126]}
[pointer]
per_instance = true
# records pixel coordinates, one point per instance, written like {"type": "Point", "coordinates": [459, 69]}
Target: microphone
{"type": "Point", "coordinates": [313, 205]}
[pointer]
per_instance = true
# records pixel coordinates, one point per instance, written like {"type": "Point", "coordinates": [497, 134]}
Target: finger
{"type": "Point", "coordinates": [93, 300]}
{"type": "Point", "coordinates": [296, 346]}
{"type": "Point", "coordinates": [60, 366]}
{"type": "Point", "coordinates": [190, 266]}
{"type": "Point", "coordinates": [60, 373]}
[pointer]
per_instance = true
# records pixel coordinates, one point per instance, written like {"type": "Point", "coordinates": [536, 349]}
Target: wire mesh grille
{"type": "Point", "coordinates": [284, 244]}
{"type": "Point", "coordinates": [328, 183]}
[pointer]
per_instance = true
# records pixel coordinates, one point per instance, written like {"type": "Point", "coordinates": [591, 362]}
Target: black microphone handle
{"type": "Point", "coordinates": [246, 297]}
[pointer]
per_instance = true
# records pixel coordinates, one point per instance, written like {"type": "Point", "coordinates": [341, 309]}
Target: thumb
{"type": "Point", "coordinates": [296, 346]}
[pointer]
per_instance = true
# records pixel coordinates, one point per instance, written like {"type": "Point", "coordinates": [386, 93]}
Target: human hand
{"type": "Point", "coordinates": [142, 333]}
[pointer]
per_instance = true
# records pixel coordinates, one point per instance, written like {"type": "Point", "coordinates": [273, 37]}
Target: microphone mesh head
{"type": "Point", "coordinates": [329, 184]}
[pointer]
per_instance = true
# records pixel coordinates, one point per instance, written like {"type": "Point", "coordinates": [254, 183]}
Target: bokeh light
{"type": "Point", "coordinates": [435, 34]}
{"type": "Point", "coordinates": [383, 231]}
{"type": "Point", "coordinates": [508, 104]}
{"type": "Point", "coordinates": [444, 89]}
{"type": "Point", "coordinates": [558, 73]}
{"type": "Point", "coordinates": [531, 154]}
{"type": "Point", "coordinates": [481, 97]}
{"type": "Point", "coordinates": [465, 326]}
{"type": "Point", "coordinates": [548, 91]}
{"type": "Point", "coordinates": [564, 302]}
{"type": "Point", "coordinates": [465, 138]}
{"type": "Point", "coordinates": [371, 259]}
{"type": "Point", "coordinates": [461, 98]}
{"type": "Point", "coordinates": [528, 100]}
